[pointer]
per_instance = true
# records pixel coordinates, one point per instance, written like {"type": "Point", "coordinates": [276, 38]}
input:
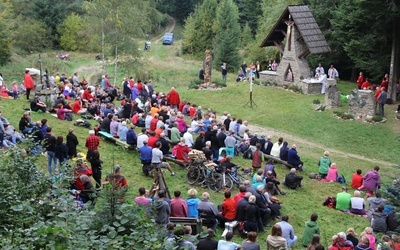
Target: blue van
{"type": "Point", "coordinates": [168, 39]}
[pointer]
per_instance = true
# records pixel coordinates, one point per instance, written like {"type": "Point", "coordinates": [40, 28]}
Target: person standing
{"type": "Point", "coordinates": [92, 143]}
{"type": "Point", "coordinates": [49, 146]}
{"type": "Point", "coordinates": [28, 83]}
{"type": "Point", "coordinates": [224, 72]}
{"type": "Point", "coordinates": [322, 78]}
{"type": "Point", "coordinates": [382, 98]}
{"type": "Point", "coordinates": [319, 70]}
{"type": "Point", "coordinates": [95, 163]}
{"type": "Point", "coordinates": [333, 73]}
{"type": "Point", "coordinates": [244, 68]}
{"type": "Point", "coordinates": [258, 69]}
{"type": "Point", "coordinates": [360, 80]}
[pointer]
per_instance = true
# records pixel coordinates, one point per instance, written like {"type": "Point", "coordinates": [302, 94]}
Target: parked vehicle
{"type": "Point", "coordinates": [168, 39]}
{"type": "Point", "coordinates": [63, 56]}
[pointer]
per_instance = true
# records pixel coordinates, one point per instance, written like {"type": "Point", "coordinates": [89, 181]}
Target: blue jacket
{"type": "Point", "coordinates": [145, 153]}
{"type": "Point", "coordinates": [192, 207]}
{"type": "Point", "coordinates": [131, 137]}
{"type": "Point", "coordinates": [293, 157]}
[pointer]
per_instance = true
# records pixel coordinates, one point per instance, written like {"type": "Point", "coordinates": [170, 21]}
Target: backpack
{"type": "Point", "coordinates": [330, 202]}
{"type": "Point", "coordinates": [82, 123]}
{"type": "Point", "coordinates": [248, 154]}
{"type": "Point", "coordinates": [341, 179]}
{"type": "Point", "coordinates": [87, 116]}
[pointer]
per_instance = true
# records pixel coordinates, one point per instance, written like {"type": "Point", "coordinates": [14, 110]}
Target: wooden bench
{"type": "Point", "coordinates": [123, 144]}
{"type": "Point", "coordinates": [108, 136]}
{"type": "Point", "coordinates": [177, 162]}
{"type": "Point", "coordinates": [195, 223]}
{"type": "Point", "coordinates": [270, 157]}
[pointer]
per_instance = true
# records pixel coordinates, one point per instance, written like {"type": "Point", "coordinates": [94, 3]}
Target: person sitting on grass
{"type": "Point", "coordinates": [357, 179]}
{"type": "Point", "coordinates": [378, 221]}
{"type": "Point", "coordinates": [343, 200]}
{"type": "Point", "coordinates": [324, 164]}
{"type": "Point", "coordinates": [116, 179]}
{"type": "Point", "coordinates": [332, 173]}
{"type": "Point", "coordinates": [63, 113]}
{"type": "Point", "coordinates": [292, 180]}
{"type": "Point", "coordinates": [275, 241]}
{"type": "Point", "coordinates": [357, 204]}
{"type": "Point", "coordinates": [87, 193]}
{"type": "Point", "coordinates": [227, 244]}
{"type": "Point", "coordinates": [37, 105]}
{"type": "Point", "coordinates": [310, 230]}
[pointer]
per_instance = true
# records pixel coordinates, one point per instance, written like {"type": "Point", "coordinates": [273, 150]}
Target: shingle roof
{"type": "Point", "coordinates": [305, 23]}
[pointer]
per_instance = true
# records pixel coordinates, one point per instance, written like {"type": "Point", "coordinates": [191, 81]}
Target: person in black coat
{"type": "Point", "coordinates": [283, 155]}
{"type": "Point", "coordinates": [95, 163]}
{"type": "Point", "coordinates": [72, 143]}
{"type": "Point", "coordinates": [61, 150]}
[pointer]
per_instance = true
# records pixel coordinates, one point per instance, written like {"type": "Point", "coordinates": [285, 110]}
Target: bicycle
{"type": "Point", "coordinates": [232, 177]}
{"type": "Point", "coordinates": [205, 175]}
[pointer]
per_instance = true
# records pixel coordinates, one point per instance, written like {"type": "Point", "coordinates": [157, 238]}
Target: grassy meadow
{"type": "Point", "coordinates": [279, 112]}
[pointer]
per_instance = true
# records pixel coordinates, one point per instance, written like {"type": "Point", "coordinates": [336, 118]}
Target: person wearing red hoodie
{"type": "Point", "coordinates": [360, 80]}
{"type": "Point", "coordinates": [28, 83]}
{"type": "Point", "coordinates": [173, 98]}
{"type": "Point", "coordinates": [182, 151]}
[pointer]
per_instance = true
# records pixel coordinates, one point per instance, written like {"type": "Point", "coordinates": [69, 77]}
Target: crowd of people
{"type": "Point", "coordinates": [162, 119]}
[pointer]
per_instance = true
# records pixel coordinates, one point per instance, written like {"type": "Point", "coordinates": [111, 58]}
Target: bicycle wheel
{"type": "Point", "coordinates": [214, 181]}
{"type": "Point", "coordinates": [228, 184]}
{"type": "Point", "coordinates": [192, 175]}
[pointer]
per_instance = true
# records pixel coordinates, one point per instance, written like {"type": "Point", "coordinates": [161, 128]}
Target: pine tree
{"type": "Point", "coordinates": [247, 36]}
{"type": "Point", "coordinates": [227, 37]}
{"type": "Point", "coordinates": [198, 31]}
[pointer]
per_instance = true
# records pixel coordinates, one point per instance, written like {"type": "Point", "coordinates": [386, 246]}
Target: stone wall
{"type": "Point", "coordinates": [362, 103]}
{"type": "Point", "coordinates": [299, 66]}
{"type": "Point", "coordinates": [332, 97]}
{"type": "Point", "coordinates": [310, 88]}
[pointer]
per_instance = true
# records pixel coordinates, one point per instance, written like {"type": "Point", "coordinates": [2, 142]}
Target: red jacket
{"type": "Point", "coordinates": [182, 152]}
{"type": "Point", "coordinates": [229, 209]}
{"type": "Point", "coordinates": [360, 80]}
{"type": "Point", "coordinates": [173, 97]}
{"type": "Point", "coordinates": [151, 142]}
{"type": "Point", "coordinates": [86, 95]}
{"type": "Point", "coordinates": [356, 181]}
{"type": "Point", "coordinates": [28, 81]}
{"type": "Point", "coordinates": [153, 124]}
{"type": "Point", "coordinates": [77, 106]}
{"type": "Point", "coordinates": [366, 85]}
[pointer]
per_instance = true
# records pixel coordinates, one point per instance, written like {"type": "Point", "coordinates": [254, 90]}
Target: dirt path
{"type": "Point", "coordinates": [170, 27]}
{"type": "Point", "coordinates": [309, 147]}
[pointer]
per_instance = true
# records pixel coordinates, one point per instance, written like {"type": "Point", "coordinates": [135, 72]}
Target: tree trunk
{"type": "Point", "coordinates": [116, 58]}
{"type": "Point", "coordinates": [394, 63]}
{"type": "Point", "coordinates": [103, 64]}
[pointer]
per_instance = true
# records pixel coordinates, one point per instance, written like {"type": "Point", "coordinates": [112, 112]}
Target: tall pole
{"type": "Point", "coordinates": [251, 90]}
{"type": "Point", "coordinates": [40, 68]}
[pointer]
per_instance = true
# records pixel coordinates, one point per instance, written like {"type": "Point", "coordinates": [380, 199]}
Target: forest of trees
{"type": "Point", "coordinates": [363, 34]}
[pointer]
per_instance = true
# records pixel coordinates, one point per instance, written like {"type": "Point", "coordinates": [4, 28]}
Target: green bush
{"type": "Point", "coordinates": [377, 118]}
{"type": "Point", "coordinates": [316, 101]}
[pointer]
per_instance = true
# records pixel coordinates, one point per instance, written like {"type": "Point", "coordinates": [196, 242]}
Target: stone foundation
{"type": "Point", "coordinates": [332, 97]}
{"type": "Point", "coordinates": [362, 103]}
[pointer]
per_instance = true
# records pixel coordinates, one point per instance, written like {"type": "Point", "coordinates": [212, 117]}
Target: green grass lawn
{"type": "Point", "coordinates": [354, 144]}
